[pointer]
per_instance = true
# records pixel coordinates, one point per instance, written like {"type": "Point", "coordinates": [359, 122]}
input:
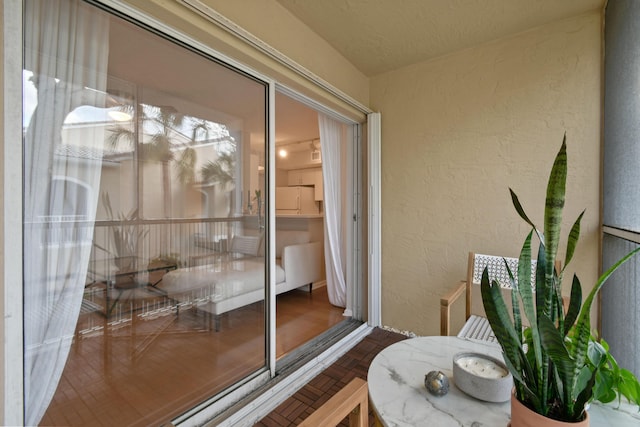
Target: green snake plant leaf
{"type": "Point", "coordinates": [574, 304]}
{"type": "Point", "coordinates": [525, 289]}
{"type": "Point", "coordinates": [522, 386]}
{"type": "Point", "coordinates": [584, 313]}
{"type": "Point", "coordinates": [582, 328]}
{"type": "Point", "coordinates": [515, 303]}
{"type": "Point", "coordinates": [553, 343]}
{"type": "Point", "coordinates": [572, 241]}
{"type": "Point", "coordinates": [523, 215]}
{"type": "Point", "coordinates": [498, 316]}
{"type": "Point", "coordinates": [509, 338]}
{"type": "Point", "coordinates": [542, 290]}
{"type": "Point", "coordinates": [554, 204]}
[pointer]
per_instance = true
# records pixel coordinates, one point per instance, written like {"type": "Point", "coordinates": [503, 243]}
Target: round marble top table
{"type": "Point", "coordinates": [399, 397]}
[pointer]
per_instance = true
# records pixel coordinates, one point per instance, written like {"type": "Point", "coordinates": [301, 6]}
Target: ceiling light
{"type": "Point", "coordinates": [282, 153]}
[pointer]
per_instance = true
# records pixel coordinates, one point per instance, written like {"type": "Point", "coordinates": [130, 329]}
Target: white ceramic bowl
{"type": "Point", "coordinates": [482, 376]}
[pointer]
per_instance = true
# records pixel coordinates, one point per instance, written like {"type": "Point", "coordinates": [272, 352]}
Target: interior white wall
{"type": "Point", "coordinates": [457, 132]}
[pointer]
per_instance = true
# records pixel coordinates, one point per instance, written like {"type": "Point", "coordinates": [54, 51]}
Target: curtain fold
{"type": "Point", "coordinates": [334, 248]}
{"type": "Point", "coordinates": [66, 53]}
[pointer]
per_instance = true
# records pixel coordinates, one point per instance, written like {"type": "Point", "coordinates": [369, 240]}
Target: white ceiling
{"type": "Point", "coordinates": [381, 35]}
{"type": "Point", "coordinates": [295, 122]}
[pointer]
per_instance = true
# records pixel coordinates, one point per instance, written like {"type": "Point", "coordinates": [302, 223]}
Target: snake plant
{"type": "Point", "coordinates": [557, 364]}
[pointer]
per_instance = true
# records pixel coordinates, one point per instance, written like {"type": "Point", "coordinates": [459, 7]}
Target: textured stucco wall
{"type": "Point", "coordinates": [457, 132]}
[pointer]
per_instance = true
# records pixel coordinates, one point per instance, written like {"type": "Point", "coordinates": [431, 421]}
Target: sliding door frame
{"type": "Point", "coordinates": [354, 208]}
{"type": "Point", "coordinates": [13, 374]}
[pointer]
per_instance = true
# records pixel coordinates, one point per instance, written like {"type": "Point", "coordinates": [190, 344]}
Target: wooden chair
{"type": "Point", "coordinates": [351, 400]}
{"type": "Point", "coordinates": [478, 326]}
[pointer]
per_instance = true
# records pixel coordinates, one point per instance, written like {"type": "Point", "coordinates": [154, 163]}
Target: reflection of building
{"type": "Point", "coordinates": [127, 173]}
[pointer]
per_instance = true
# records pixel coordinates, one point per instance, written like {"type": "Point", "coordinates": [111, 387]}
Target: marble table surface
{"type": "Point", "coordinates": [399, 397]}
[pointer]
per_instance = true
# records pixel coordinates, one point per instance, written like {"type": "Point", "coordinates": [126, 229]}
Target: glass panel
{"type": "Point", "coordinates": [144, 271]}
{"type": "Point", "coordinates": [302, 204]}
{"type": "Point", "coordinates": [621, 180]}
{"type": "Point", "coordinates": [621, 195]}
{"type": "Point", "coordinates": [620, 302]}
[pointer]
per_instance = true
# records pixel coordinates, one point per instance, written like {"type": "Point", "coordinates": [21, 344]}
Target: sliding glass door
{"type": "Point", "coordinates": [144, 223]}
{"type": "Point", "coordinates": [165, 270]}
{"type": "Point", "coordinates": [312, 202]}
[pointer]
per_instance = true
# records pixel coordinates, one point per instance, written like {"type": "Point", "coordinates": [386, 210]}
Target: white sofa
{"type": "Point", "coordinates": [236, 279]}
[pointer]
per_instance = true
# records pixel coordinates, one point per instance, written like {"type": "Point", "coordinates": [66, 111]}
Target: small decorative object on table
{"type": "Point", "coordinates": [437, 383]}
{"type": "Point", "coordinates": [482, 377]}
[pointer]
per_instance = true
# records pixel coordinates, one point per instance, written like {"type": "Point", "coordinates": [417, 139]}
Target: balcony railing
{"type": "Point", "coordinates": [184, 241]}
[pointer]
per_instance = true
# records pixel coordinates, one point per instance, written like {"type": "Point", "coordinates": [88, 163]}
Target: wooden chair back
{"type": "Point", "coordinates": [475, 266]}
{"type": "Point", "coordinates": [352, 400]}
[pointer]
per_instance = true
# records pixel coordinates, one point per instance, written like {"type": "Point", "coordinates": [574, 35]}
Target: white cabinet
{"type": "Point", "coordinates": [318, 187]}
{"type": "Point", "coordinates": [302, 176]}
{"type": "Point", "coordinates": [307, 177]}
{"type": "Point", "coordinates": [296, 201]}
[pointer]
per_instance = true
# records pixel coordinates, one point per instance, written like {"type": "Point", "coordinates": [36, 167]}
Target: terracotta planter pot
{"type": "Point", "coordinates": [521, 416]}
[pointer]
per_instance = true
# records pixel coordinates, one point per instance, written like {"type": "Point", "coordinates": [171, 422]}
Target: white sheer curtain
{"type": "Point", "coordinates": [331, 145]}
{"type": "Point", "coordinates": [66, 49]}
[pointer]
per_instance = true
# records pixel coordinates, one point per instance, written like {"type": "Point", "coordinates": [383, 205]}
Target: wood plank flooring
{"type": "Point", "coordinates": [146, 371]}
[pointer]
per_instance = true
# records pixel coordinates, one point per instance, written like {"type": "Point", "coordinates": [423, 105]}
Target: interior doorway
{"type": "Point", "coordinates": [311, 183]}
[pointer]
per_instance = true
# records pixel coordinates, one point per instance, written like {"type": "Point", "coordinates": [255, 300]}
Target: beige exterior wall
{"type": "Point", "coordinates": [458, 131]}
